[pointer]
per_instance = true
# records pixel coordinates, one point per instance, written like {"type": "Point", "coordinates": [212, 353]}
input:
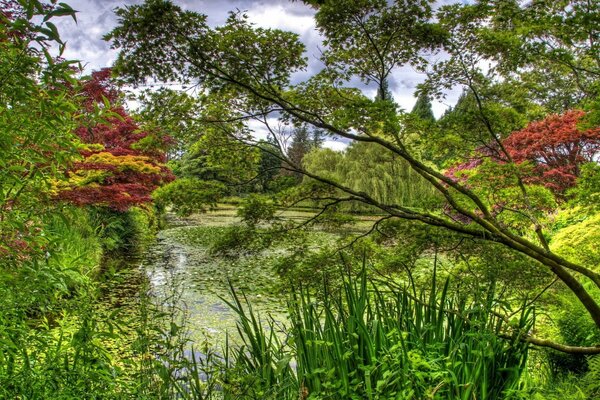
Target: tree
{"type": "Point", "coordinates": [368, 40]}
{"type": "Point", "coordinates": [302, 143]}
{"type": "Point", "coordinates": [173, 115]}
{"type": "Point", "coordinates": [121, 164]}
{"type": "Point", "coordinates": [557, 147]}
{"type": "Point", "coordinates": [422, 109]}
{"type": "Point", "coordinates": [383, 91]}
{"type": "Point", "coordinates": [364, 168]}
{"type": "Point", "coordinates": [270, 164]}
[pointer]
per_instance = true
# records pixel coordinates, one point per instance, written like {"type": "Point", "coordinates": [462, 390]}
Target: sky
{"type": "Point", "coordinates": [96, 17]}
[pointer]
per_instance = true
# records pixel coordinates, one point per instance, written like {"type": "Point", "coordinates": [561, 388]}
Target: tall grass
{"type": "Point", "coordinates": [378, 341]}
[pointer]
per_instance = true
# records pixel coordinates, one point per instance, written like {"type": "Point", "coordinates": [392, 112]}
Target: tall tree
{"type": "Point", "coordinates": [300, 146]}
{"type": "Point", "coordinates": [422, 109]}
{"type": "Point", "coordinates": [270, 163]}
{"type": "Point", "coordinates": [384, 92]}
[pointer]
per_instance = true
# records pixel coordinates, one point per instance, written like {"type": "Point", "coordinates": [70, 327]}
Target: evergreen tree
{"type": "Point", "coordinates": [422, 109]}
{"type": "Point", "coordinates": [384, 92]}
{"type": "Point", "coordinates": [269, 165]}
{"type": "Point", "coordinates": [303, 141]}
{"type": "Point", "coordinates": [318, 137]}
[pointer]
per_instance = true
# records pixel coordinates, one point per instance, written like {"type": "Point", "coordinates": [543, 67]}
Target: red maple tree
{"type": "Point", "coordinates": [557, 147]}
{"type": "Point", "coordinates": [122, 164]}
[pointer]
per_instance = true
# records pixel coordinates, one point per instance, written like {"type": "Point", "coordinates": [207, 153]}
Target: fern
{"type": "Point", "coordinates": [592, 377]}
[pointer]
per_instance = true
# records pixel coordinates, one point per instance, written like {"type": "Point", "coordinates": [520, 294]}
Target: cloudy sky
{"type": "Point", "coordinates": [96, 18]}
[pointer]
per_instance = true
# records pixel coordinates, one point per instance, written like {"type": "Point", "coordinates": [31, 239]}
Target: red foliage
{"type": "Point", "coordinates": [100, 86]}
{"type": "Point", "coordinates": [557, 148]}
{"type": "Point", "coordinates": [123, 173]}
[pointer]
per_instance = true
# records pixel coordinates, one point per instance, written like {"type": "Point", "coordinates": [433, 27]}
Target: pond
{"type": "Point", "coordinates": [183, 273]}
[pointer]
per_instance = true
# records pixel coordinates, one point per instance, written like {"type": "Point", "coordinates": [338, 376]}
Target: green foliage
{"type": "Point", "coordinates": [173, 114]}
{"type": "Point", "coordinates": [301, 144]}
{"type": "Point", "coordinates": [235, 240]}
{"type": "Point", "coordinates": [158, 18]}
{"type": "Point", "coordinates": [498, 52]}
{"type": "Point", "coordinates": [587, 190]}
{"type": "Point", "coordinates": [579, 240]}
{"type": "Point", "coordinates": [256, 209]}
{"type": "Point", "coordinates": [37, 116]}
{"type": "Point", "coordinates": [500, 186]}
{"type": "Point", "coordinates": [282, 183]}
{"type": "Point", "coordinates": [517, 61]}
{"type": "Point", "coordinates": [269, 167]}
{"type": "Point", "coordinates": [189, 195]}
{"type": "Point", "coordinates": [333, 220]}
{"type": "Point", "coordinates": [218, 157]}
{"type": "Point", "coordinates": [373, 342]}
{"type": "Point", "coordinates": [574, 327]}
{"type": "Point", "coordinates": [362, 167]}
{"type": "Point", "coordinates": [422, 109]}
{"type": "Point", "coordinates": [401, 29]}
{"type": "Point", "coordinates": [61, 338]}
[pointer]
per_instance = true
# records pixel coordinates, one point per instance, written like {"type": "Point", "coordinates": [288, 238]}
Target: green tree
{"type": "Point", "coordinates": [301, 144]}
{"type": "Point", "coordinates": [368, 40]}
{"type": "Point", "coordinates": [269, 166]}
{"type": "Point", "coordinates": [172, 114]}
{"type": "Point", "coordinates": [364, 168]}
{"type": "Point", "coordinates": [422, 109]}
{"type": "Point", "coordinates": [383, 91]}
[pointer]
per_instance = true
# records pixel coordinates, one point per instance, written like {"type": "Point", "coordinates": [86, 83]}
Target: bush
{"type": "Point", "coordinates": [256, 209]}
{"type": "Point", "coordinates": [188, 195]}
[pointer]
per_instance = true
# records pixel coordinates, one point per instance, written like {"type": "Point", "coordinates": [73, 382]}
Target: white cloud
{"type": "Point", "coordinates": [279, 17]}
{"type": "Point", "coordinates": [96, 18]}
{"type": "Point", "coordinates": [335, 145]}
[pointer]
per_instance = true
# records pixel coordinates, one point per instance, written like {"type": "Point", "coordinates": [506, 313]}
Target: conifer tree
{"type": "Point", "coordinates": [422, 109]}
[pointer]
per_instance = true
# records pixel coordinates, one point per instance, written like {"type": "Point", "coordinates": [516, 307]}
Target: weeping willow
{"type": "Point", "coordinates": [365, 167]}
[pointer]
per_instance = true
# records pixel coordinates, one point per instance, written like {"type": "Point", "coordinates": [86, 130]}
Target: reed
{"type": "Point", "coordinates": [379, 341]}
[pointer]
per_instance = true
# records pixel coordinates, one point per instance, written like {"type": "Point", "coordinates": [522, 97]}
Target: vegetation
{"type": "Point", "coordinates": [360, 44]}
{"type": "Point", "coordinates": [388, 343]}
{"type": "Point", "coordinates": [450, 258]}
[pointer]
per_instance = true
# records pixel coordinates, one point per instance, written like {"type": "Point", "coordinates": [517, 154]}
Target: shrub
{"type": "Point", "coordinates": [256, 209]}
{"type": "Point", "coordinates": [188, 195]}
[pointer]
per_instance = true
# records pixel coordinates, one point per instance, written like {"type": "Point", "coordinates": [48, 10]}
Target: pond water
{"type": "Point", "coordinates": [183, 273]}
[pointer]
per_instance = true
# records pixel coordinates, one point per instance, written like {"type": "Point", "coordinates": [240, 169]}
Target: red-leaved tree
{"type": "Point", "coordinates": [122, 164]}
{"type": "Point", "coordinates": [557, 148]}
